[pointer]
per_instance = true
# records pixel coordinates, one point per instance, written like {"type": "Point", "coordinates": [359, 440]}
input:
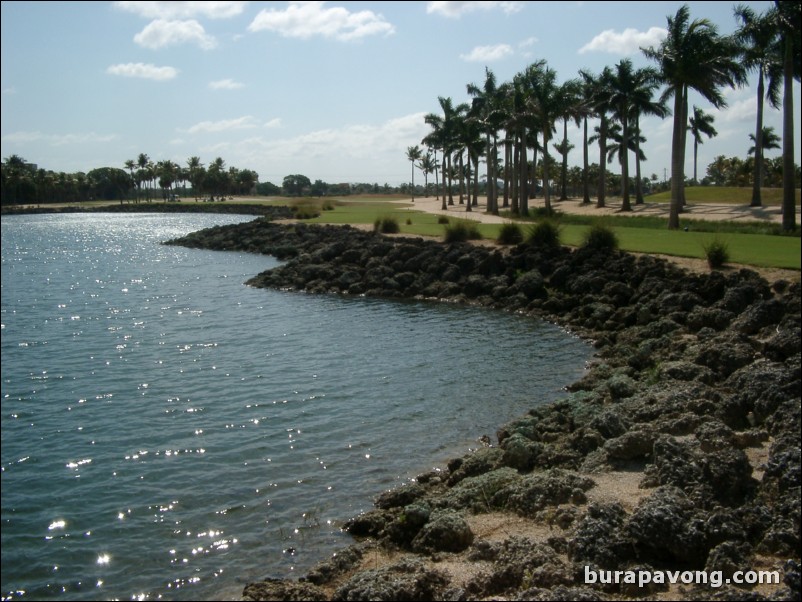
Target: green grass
{"type": "Point", "coordinates": [725, 195]}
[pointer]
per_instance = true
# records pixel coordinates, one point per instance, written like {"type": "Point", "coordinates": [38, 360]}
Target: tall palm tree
{"type": "Point", "coordinates": [602, 99]}
{"type": "Point", "coordinates": [644, 103]}
{"type": "Point", "coordinates": [692, 56]}
{"type": "Point", "coordinates": [195, 168]}
{"type": "Point", "coordinates": [788, 22]}
{"type": "Point", "coordinates": [413, 154]}
{"type": "Point", "coordinates": [571, 108]}
{"type": "Point", "coordinates": [589, 86]}
{"type": "Point", "coordinates": [486, 100]}
{"type": "Point", "coordinates": [623, 87]}
{"type": "Point", "coordinates": [768, 141]}
{"type": "Point", "coordinates": [760, 44]}
{"type": "Point", "coordinates": [427, 165]}
{"type": "Point", "coordinates": [443, 135]}
{"type": "Point", "coordinates": [700, 123]}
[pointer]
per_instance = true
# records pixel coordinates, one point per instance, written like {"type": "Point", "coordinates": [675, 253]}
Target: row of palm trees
{"type": "Point", "coordinates": [24, 182]}
{"type": "Point", "coordinates": [522, 115]}
{"type": "Point", "coordinates": [213, 180]}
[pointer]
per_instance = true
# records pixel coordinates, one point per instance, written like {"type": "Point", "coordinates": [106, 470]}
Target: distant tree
{"type": "Point", "coordinates": [700, 123]}
{"type": "Point", "coordinates": [413, 154]}
{"type": "Point", "coordinates": [294, 185]}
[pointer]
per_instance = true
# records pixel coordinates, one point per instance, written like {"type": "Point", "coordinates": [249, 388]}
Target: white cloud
{"type": "Point", "coordinates": [626, 42]}
{"type": "Point", "coordinates": [454, 10]}
{"type": "Point", "coordinates": [742, 110]}
{"type": "Point", "coordinates": [224, 125]}
{"type": "Point", "coordinates": [488, 53]}
{"type": "Point", "coordinates": [307, 19]}
{"type": "Point", "coordinates": [225, 84]}
{"type": "Point", "coordinates": [161, 33]}
{"type": "Point", "coordinates": [183, 10]}
{"type": "Point", "coordinates": [528, 42]}
{"type": "Point", "coordinates": [57, 139]}
{"type": "Point", "coordinates": [336, 154]}
{"type": "Point", "coordinates": [144, 71]}
{"type": "Point", "coordinates": [273, 123]}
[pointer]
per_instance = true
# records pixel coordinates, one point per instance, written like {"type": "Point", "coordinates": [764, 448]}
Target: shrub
{"type": "Point", "coordinates": [306, 211]}
{"type": "Point", "coordinates": [409, 221]}
{"type": "Point", "coordinates": [717, 253]}
{"type": "Point", "coordinates": [600, 237]}
{"type": "Point", "coordinates": [545, 233]}
{"type": "Point", "coordinates": [461, 232]}
{"type": "Point", "coordinates": [442, 219]}
{"type": "Point", "coordinates": [328, 205]}
{"type": "Point", "coordinates": [386, 225]}
{"type": "Point", "coordinates": [510, 234]}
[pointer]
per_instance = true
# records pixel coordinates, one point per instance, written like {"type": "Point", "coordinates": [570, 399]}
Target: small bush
{"type": "Point", "coordinates": [545, 233]}
{"type": "Point", "coordinates": [386, 225]}
{"type": "Point", "coordinates": [409, 221]}
{"type": "Point", "coordinates": [442, 219]}
{"type": "Point", "coordinates": [306, 211]}
{"type": "Point", "coordinates": [717, 253]}
{"type": "Point", "coordinates": [510, 234]}
{"type": "Point", "coordinates": [328, 205]}
{"type": "Point", "coordinates": [461, 232]}
{"type": "Point", "coordinates": [600, 237]}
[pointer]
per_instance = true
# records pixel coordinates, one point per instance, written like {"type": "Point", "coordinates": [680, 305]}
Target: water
{"type": "Point", "coordinates": [169, 433]}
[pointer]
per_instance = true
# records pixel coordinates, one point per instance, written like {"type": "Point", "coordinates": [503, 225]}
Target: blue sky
{"type": "Point", "coordinates": [333, 90]}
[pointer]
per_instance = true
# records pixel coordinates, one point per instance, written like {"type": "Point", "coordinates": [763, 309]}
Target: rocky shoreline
{"type": "Point", "coordinates": [694, 396]}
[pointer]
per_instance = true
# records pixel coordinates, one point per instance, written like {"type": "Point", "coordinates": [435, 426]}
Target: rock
{"type": "Point", "coordinates": [407, 579]}
{"type": "Point", "coordinates": [445, 531]}
{"type": "Point", "coordinates": [280, 589]}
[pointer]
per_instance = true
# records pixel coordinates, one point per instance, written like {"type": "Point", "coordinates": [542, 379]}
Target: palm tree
{"type": "Point", "coordinates": [442, 136]}
{"type": "Point", "coordinates": [602, 100]}
{"type": "Point", "coordinates": [622, 88]}
{"type": "Point", "coordinates": [413, 154]}
{"type": "Point", "coordinates": [427, 165]}
{"type": "Point", "coordinates": [769, 141]}
{"type": "Point", "coordinates": [589, 86]}
{"type": "Point", "coordinates": [130, 165]}
{"type": "Point", "coordinates": [692, 56]}
{"type": "Point", "coordinates": [760, 45]}
{"type": "Point", "coordinates": [700, 123]}
{"type": "Point", "coordinates": [571, 104]}
{"type": "Point", "coordinates": [142, 162]}
{"type": "Point", "coordinates": [487, 100]}
{"type": "Point", "coordinates": [788, 22]}
{"type": "Point", "coordinates": [643, 103]}
{"type": "Point", "coordinates": [195, 168]}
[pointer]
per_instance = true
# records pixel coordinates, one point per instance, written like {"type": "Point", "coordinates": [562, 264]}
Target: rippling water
{"type": "Point", "coordinates": [168, 432]}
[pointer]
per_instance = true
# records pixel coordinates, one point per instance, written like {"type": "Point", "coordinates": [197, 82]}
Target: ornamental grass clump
{"type": "Point", "coordinates": [386, 225]}
{"type": "Point", "coordinates": [600, 237]}
{"type": "Point", "coordinates": [544, 234]}
{"type": "Point", "coordinates": [510, 234]}
{"type": "Point", "coordinates": [717, 253]}
{"type": "Point", "coordinates": [461, 232]}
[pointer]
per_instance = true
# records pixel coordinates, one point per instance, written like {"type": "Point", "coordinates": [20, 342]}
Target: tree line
{"type": "Point", "coordinates": [504, 122]}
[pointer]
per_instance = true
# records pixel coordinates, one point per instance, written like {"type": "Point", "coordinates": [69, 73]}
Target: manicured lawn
{"type": "Point", "coordinates": [725, 195]}
{"type": "Point", "coordinates": [749, 249]}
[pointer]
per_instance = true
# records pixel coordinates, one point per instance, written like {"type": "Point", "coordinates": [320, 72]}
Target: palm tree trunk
{"type": "Point", "coordinates": [523, 192]}
{"type": "Point", "coordinates": [625, 204]}
{"type": "Point", "coordinates": [789, 209]}
{"type": "Point", "coordinates": [756, 176]}
{"type": "Point", "coordinates": [507, 170]}
{"type": "Point", "coordinates": [638, 183]}
{"type": "Point", "coordinates": [564, 174]}
{"type": "Point", "coordinates": [683, 146]}
{"type": "Point", "coordinates": [676, 162]}
{"type": "Point", "coordinates": [602, 161]}
{"type": "Point", "coordinates": [585, 183]}
{"type": "Point", "coordinates": [516, 207]}
{"type": "Point", "coordinates": [546, 190]}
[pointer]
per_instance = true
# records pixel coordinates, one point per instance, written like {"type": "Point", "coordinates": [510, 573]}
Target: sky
{"type": "Point", "coordinates": [335, 91]}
